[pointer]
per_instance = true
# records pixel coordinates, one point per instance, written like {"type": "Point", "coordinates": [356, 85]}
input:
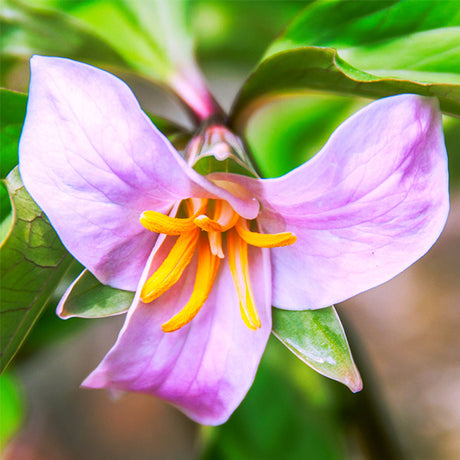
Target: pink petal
{"type": "Point", "coordinates": [371, 203]}
{"type": "Point", "coordinates": [204, 368]}
{"type": "Point", "coordinates": [93, 161]}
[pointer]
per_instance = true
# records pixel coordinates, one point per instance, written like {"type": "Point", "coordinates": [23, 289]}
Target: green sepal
{"type": "Point", "coordinates": [88, 298]}
{"type": "Point", "coordinates": [34, 262]}
{"type": "Point", "coordinates": [215, 149]}
{"type": "Point", "coordinates": [318, 339]}
{"type": "Point", "coordinates": [210, 164]}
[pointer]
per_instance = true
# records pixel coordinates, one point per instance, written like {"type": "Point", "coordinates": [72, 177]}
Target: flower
{"type": "Point", "coordinates": [368, 205]}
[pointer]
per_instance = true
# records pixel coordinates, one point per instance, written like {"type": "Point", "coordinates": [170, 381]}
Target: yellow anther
{"type": "Point", "coordinates": [157, 222]}
{"type": "Point", "coordinates": [207, 224]}
{"type": "Point", "coordinates": [172, 267]}
{"type": "Point", "coordinates": [208, 265]}
{"type": "Point", "coordinates": [264, 240]}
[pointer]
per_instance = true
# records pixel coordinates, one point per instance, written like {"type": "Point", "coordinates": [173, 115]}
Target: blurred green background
{"type": "Point", "coordinates": [403, 335]}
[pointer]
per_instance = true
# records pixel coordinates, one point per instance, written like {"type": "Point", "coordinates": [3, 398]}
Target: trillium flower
{"type": "Point", "coordinates": [208, 256]}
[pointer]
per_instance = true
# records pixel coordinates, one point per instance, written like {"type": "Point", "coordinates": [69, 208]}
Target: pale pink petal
{"type": "Point", "coordinates": [367, 206]}
{"type": "Point", "coordinates": [93, 161]}
{"type": "Point", "coordinates": [204, 368]}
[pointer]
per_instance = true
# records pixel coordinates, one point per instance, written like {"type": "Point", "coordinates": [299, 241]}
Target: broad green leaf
{"type": "Point", "coordinates": [372, 49]}
{"type": "Point", "coordinates": [402, 38]}
{"type": "Point", "coordinates": [12, 408]}
{"type": "Point", "coordinates": [368, 28]}
{"type": "Point", "coordinates": [88, 298]}
{"type": "Point", "coordinates": [12, 113]}
{"type": "Point", "coordinates": [33, 263]}
{"type": "Point", "coordinates": [287, 131]}
{"type": "Point", "coordinates": [312, 68]}
{"type": "Point", "coordinates": [317, 338]}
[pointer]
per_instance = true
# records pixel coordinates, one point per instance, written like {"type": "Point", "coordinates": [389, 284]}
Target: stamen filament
{"type": "Point", "coordinates": [215, 244]}
{"type": "Point", "coordinates": [251, 305]}
{"type": "Point", "coordinates": [241, 280]}
{"type": "Point", "coordinates": [264, 240]}
{"type": "Point", "coordinates": [208, 265]}
{"type": "Point", "coordinates": [172, 267]}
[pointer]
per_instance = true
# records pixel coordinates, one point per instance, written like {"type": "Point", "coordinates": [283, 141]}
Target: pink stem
{"type": "Point", "coordinates": [191, 87]}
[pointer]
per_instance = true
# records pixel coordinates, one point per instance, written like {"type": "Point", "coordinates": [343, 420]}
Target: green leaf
{"type": "Point", "coordinates": [311, 68]}
{"type": "Point", "coordinates": [371, 49]}
{"type": "Point", "coordinates": [287, 131]}
{"type": "Point", "coordinates": [88, 298]}
{"type": "Point", "coordinates": [402, 38]}
{"type": "Point", "coordinates": [317, 338]}
{"type": "Point", "coordinates": [33, 263]}
{"type": "Point", "coordinates": [354, 26]}
{"type": "Point", "coordinates": [12, 113]}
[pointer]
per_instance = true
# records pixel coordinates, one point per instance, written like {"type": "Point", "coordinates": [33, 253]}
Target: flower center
{"type": "Point", "coordinates": [199, 231]}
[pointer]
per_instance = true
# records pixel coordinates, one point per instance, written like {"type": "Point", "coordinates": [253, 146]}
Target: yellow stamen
{"type": "Point", "coordinates": [188, 230]}
{"type": "Point", "coordinates": [172, 267]}
{"type": "Point", "coordinates": [159, 223]}
{"type": "Point", "coordinates": [237, 259]}
{"type": "Point", "coordinates": [264, 240]}
{"type": "Point", "coordinates": [208, 265]}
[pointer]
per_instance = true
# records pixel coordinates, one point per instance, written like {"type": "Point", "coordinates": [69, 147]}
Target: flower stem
{"type": "Point", "coordinates": [191, 88]}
